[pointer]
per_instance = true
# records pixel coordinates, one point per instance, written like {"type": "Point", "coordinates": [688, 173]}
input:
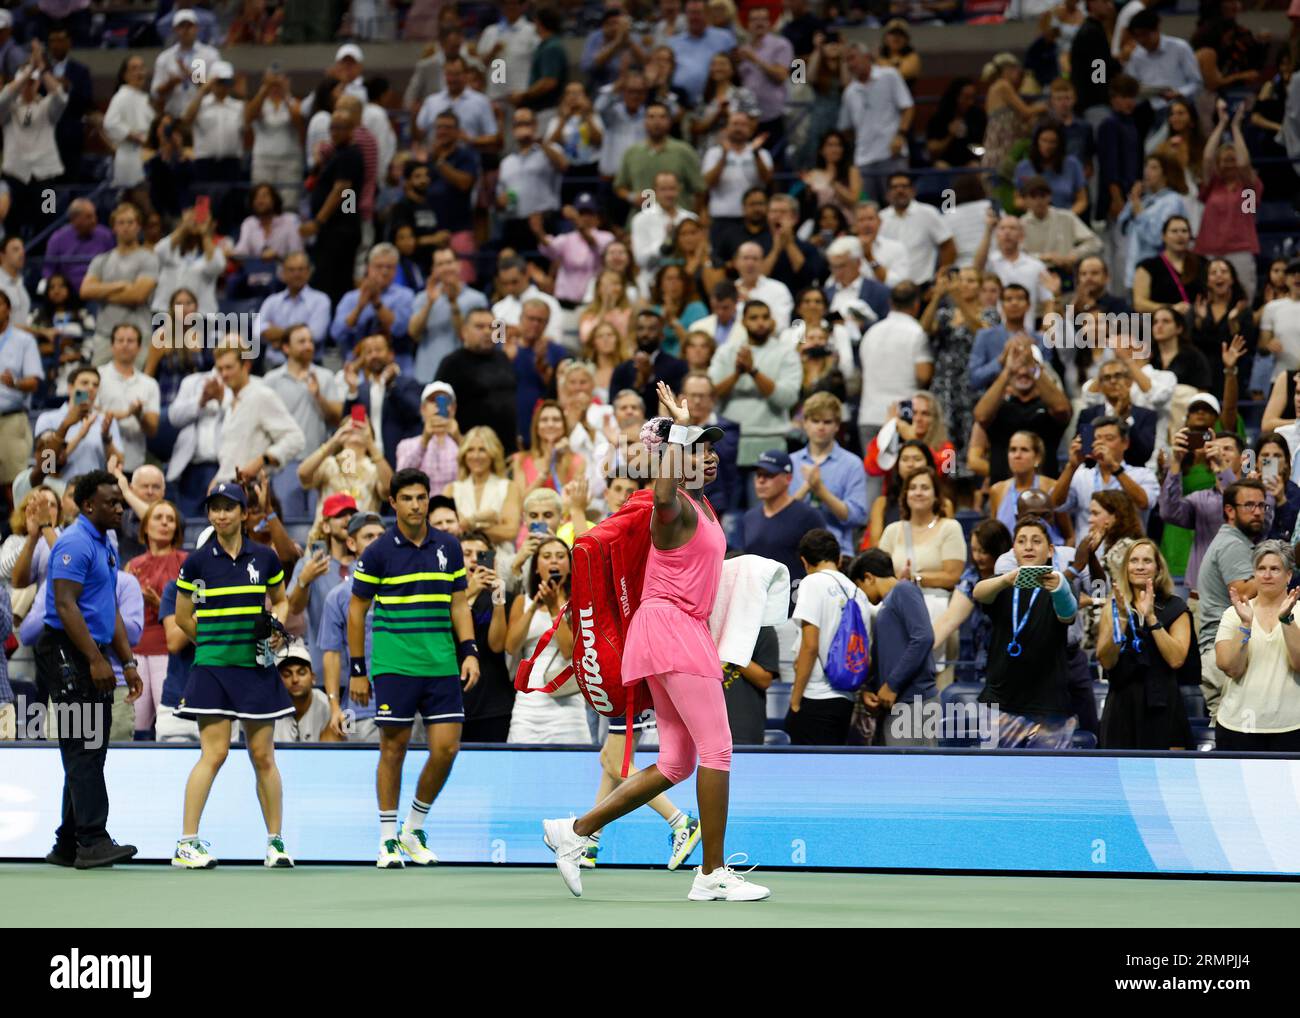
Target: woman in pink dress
{"type": "Point", "coordinates": [669, 646]}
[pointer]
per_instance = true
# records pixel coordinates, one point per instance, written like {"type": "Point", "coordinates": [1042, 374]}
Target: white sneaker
{"type": "Point", "coordinates": [414, 845]}
{"type": "Point", "coordinates": [683, 841]}
{"type": "Point", "coordinates": [390, 855]}
{"type": "Point", "coordinates": [569, 848]}
{"type": "Point", "coordinates": [193, 855]}
{"type": "Point", "coordinates": [276, 857]}
{"type": "Point", "coordinates": [725, 884]}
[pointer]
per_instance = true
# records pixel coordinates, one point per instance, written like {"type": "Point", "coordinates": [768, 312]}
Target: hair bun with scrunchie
{"type": "Point", "coordinates": [654, 432]}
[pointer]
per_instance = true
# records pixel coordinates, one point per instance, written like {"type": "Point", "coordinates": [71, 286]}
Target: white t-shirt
{"type": "Point", "coordinates": [921, 229]}
{"type": "Point", "coordinates": [1282, 318]}
{"type": "Point", "coordinates": [821, 600]}
{"type": "Point", "coordinates": [739, 174]}
{"type": "Point", "coordinates": [890, 352]}
{"type": "Point", "coordinates": [309, 727]}
{"type": "Point", "coordinates": [1024, 271]}
{"type": "Point", "coordinates": [117, 392]}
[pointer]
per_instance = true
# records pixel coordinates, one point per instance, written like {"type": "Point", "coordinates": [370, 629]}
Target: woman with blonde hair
{"type": "Point", "coordinates": [548, 462]}
{"type": "Point", "coordinates": [606, 346]}
{"type": "Point", "coordinates": [485, 498]}
{"type": "Point", "coordinates": [35, 517]}
{"type": "Point", "coordinates": [1009, 116]}
{"type": "Point", "coordinates": [1143, 641]}
{"type": "Point", "coordinates": [1258, 649]}
{"type": "Point", "coordinates": [1025, 454]}
{"type": "Point", "coordinates": [610, 304]}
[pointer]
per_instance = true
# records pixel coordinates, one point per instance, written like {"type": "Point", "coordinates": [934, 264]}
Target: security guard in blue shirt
{"type": "Point", "coordinates": [82, 627]}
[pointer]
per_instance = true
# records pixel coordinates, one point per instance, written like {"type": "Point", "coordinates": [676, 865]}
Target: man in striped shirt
{"type": "Point", "coordinates": [422, 649]}
{"type": "Point", "coordinates": [220, 605]}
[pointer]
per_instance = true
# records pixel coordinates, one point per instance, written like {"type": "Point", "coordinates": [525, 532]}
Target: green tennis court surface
{"type": "Point", "coordinates": [153, 895]}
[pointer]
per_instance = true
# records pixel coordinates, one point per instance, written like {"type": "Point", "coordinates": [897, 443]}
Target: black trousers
{"type": "Point", "coordinates": [334, 255]}
{"type": "Point", "coordinates": [1226, 740]}
{"type": "Point", "coordinates": [31, 209]}
{"type": "Point", "coordinates": [83, 718]}
{"type": "Point", "coordinates": [485, 729]}
{"type": "Point", "coordinates": [820, 722]}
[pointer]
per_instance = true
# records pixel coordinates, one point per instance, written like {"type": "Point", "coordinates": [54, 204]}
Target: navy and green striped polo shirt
{"type": "Point", "coordinates": [411, 586]}
{"type": "Point", "coordinates": [228, 594]}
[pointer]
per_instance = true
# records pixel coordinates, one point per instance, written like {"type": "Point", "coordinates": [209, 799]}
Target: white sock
{"type": "Point", "coordinates": [677, 820]}
{"type": "Point", "coordinates": [188, 837]}
{"type": "Point", "coordinates": [388, 825]}
{"type": "Point", "coordinates": [419, 813]}
{"type": "Point", "coordinates": [271, 837]}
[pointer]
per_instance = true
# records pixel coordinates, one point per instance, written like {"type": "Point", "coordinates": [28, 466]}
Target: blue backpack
{"type": "Point", "coordinates": [849, 657]}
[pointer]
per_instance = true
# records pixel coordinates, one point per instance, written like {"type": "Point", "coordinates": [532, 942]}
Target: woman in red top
{"type": "Point", "coordinates": [669, 646]}
{"type": "Point", "coordinates": [1228, 226]}
{"type": "Point", "coordinates": [162, 533]}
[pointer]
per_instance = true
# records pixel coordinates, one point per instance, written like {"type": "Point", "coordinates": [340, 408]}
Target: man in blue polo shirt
{"type": "Point", "coordinates": [358, 725]}
{"type": "Point", "coordinates": [422, 624]}
{"type": "Point", "coordinates": [221, 606]}
{"type": "Point", "coordinates": [774, 526]}
{"type": "Point", "coordinates": [82, 624]}
{"type": "Point", "coordinates": [696, 47]}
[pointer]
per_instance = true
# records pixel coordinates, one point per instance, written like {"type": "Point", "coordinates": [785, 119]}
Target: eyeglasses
{"type": "Point", "coordinates": [1113, 378]}
{"type": "Point", "coordinates": [1250, 506]}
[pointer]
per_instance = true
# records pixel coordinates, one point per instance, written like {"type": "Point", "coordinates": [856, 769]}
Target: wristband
{"type": "Point", "coordinates": [1287, 619]}
{"type": "Point", "coordinates": [1245, 630]}
{"type": "Point", "coordinates": [359, 667]}
{"type": "Point", "coordinates": [467, 648]}
{"type": "Point", "coordinates": [677, 434]}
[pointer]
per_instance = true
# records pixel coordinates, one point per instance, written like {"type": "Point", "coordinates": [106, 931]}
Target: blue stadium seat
{"type": "Point", "coordinates": [969, 520]}
{"type": "Point", "coordinates": [775, 737]}
{"type": "Point", "coordinates": [1203, 734]}
{"type": "Point", "coordinates": [1083, 740]}
{"type": "Point", "coordinates": [1194, 702]}
{"type": "Point", "coordinates": [778, 702]}
{"type": "Point", "coordinates": [956, 699]}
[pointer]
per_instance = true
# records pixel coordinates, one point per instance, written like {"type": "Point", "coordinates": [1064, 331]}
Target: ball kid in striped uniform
{"type": "Point", "coordinates": [422, 650]}
{"type": "Point", "coordinates": [220, 605]}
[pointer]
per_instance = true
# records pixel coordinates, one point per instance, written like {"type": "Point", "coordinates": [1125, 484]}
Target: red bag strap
{"type": "Point", "coordinates": [629, 736]}
{"type": "Point", "coordinates": [525, 669]}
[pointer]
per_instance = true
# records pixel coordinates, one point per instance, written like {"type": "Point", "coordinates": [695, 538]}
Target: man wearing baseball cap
{"type": "Point", "coordinates": [217, 119]}
{"type": "Point", "coordinates": [328, 563]}
{"type": "Point", "coordinates": [358, 725]}
{"type": "Point", "coordinates": [774, 526]}
{"type": "Point", "coordinates": [183, 66]}
{"type": "Point", "coordinates": [436, 448]}
{"type": "Point", "coordinates": [311, 707]}
{"type": "Point", "coordinates": [577, 252]}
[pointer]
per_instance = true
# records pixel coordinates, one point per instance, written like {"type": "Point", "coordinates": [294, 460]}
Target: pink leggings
{"type": "Point", "coordinates": [692, 717]}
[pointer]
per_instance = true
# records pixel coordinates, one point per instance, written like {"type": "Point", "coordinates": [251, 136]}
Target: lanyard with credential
{"type": "Point", "coordinates": [1132, 627]}
{"type": "Point", "coordinates": [1018, 623]}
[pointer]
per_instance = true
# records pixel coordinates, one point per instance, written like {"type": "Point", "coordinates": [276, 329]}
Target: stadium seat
{"type": "Point", "coordinates": [775, 737]}
{"type": "Point", "coordinates": [1203, 735]}
{"type": "Point", "coordinates": [1083, 740]}
{"type": "Point", "coordinates": [1194, 702]}
{"type": "Point", "coordinates": [956, 699]}
{"type": "Point", "coordinates": [778, 701]}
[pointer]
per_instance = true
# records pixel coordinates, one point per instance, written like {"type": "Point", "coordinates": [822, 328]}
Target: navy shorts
{"type": "Point", "coordinates": [642, 721]}
{"type": "Point", "coordinates": [399, 698]}
{"type": "Point", "coordinates": [248, 694]}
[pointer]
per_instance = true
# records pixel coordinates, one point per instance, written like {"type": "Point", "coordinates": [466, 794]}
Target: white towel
{"type": "Point", "coordinates": [753, 592]}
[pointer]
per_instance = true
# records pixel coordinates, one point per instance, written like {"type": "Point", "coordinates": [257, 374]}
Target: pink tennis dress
{"type": "Point", "coordinates": [670, 628]}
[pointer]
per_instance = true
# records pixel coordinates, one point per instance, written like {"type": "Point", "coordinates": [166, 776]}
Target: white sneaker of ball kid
{"type": "Point", "coordinates": [569, 848]}
{"type": "Point", "coordinates": [725, 884]}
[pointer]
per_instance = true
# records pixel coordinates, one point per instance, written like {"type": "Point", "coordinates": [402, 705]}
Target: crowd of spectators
{"type": "Point", "coordinates": [487, 280]}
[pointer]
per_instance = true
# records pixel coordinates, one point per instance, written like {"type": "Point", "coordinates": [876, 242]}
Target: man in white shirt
{"type": "Point", "coordinates": [512, 41]}
{"type": "Point", "coordinates": [877, 107]}
{"type": "Point", "coordinates": [217, 119]}
{"type": "Point", "coordinates": [621, 108]}
{"type": "Point", "coordinates": [257, 432]}
{"type": "Point", "coordinates": [1279, 326]}
{"type": "Point", "coordinates": [653, 227]}
{"type": "Point", "coordinates": [1012, 265]}
{"type": "Point", "coordinates": [129, 395]}
{"type": "Point", "coordinates": [12, 259]}
{"type": "Point", "coordinates": [731, 169]}
{"type": "Point", "coordinates": [896, 361]}
{"type": "Point", "coordinates": [528, 182]}
{"type": "Point", "coordinates": [31, 150]}
{"type": "Point", "coordinates": [182, 67]}
{"type": "Point", "coordinates": [472, 108]}
{"type": "Point", "coordinates": [884, 260]}
{"type": "Point", "coordinates": [919, 228]}
{"type": "Point", "coordinates": [752, 285]}
{"type": "Point", "coordinates": [512, 280]}
{"type": "Point", "coordinates": [724, 323]}
{"type": "Point", "coordinates": [1164, 65]}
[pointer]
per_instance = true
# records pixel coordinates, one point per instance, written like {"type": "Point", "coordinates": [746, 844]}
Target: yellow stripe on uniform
{"type": "Point", "coordinates": [206, 613]}
{"type": "Point", "coordinates": [229, 591]}
{"type": "Point", "coordinates": [413, 577]}
{"type": "Point", "coordinates": [412, 599]}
